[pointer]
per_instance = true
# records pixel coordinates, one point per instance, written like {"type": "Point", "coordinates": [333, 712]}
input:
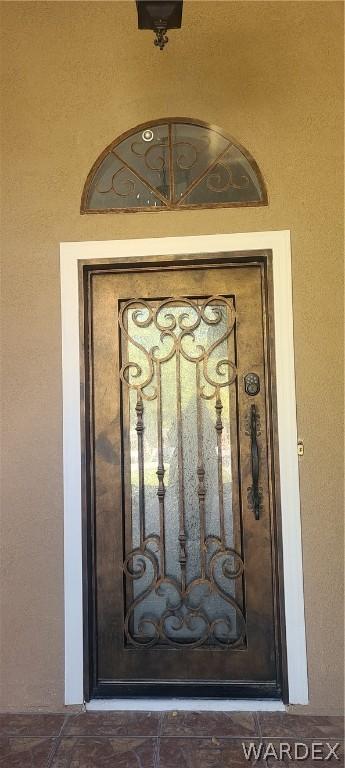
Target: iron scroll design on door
{"type": "Point", "coordinates": [173, 164]}
{"type": "Point", "coordinates": [188, 608]}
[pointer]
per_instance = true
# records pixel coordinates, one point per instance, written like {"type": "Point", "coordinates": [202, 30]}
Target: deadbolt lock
{"type": "Point", "coordinates": [252, 384]}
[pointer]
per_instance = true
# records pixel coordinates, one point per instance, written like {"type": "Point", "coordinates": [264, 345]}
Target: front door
{"type": "Point", "coordinates": [182, 555]}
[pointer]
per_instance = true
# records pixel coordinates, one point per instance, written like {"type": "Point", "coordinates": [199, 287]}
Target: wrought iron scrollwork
{"type": "Point", "coordinates": [184, 606]}
{"type": "Point", "coordinates": [222, 178]}
{"type": "Point", "coordinates": [177, 330]}
{"type": "Point", "coordinates": [173, 164]}
{"type": "Point", "coordinates": [120, 185]}
{"type": "Point", "coordinates": [164, 609]}
{"type": "Point", "coordinates": [153, 156]}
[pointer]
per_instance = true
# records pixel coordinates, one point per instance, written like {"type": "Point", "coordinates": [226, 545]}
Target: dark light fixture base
{"type": "Point", "coordinates": [159, 16]}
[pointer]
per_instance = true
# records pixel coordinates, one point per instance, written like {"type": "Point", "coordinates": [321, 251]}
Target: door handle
{"type": "Point", "coordinates": [254, 492]}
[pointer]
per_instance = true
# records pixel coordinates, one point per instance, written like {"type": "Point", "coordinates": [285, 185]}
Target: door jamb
{"type": "Point", "coordinates": [70, 255]}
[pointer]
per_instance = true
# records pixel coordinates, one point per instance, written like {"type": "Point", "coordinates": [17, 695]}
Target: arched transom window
{"type": "Point", "coordinates": [174, 164]}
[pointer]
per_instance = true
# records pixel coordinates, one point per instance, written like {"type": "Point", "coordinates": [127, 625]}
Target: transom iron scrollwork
{"type": "Point", "coordinates": [173, 164]}
{"type": "Point", "coordinates": [199, 603]}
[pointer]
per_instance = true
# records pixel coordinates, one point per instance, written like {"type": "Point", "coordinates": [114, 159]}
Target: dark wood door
{"type": "Point", "coordinates": [182, 589]}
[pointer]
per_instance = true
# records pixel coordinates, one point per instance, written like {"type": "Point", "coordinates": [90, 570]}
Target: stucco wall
{"type": "Point", "coordinates": [75, 76]}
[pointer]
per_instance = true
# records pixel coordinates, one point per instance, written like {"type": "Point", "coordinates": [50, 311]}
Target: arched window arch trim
{"type": "Point", "coordinates": [229, 177]}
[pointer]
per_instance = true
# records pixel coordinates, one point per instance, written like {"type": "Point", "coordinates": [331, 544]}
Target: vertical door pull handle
{"type": "Point", "coordinates": [254, 492]}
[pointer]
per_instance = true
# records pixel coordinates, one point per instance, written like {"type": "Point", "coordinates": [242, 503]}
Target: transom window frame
{"type": "Point", "coordinates": [171, 204]}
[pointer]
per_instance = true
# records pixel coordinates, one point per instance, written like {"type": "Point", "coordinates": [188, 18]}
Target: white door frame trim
{"type": "Point", "coordinates": [70, 254]}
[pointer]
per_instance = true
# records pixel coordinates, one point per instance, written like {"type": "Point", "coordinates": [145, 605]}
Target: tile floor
{"type": "Point", "coordinates": [163, 740]}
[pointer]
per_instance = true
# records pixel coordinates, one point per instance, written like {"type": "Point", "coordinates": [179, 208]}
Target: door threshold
{"type": "Point", "coordinates": [185, 705]}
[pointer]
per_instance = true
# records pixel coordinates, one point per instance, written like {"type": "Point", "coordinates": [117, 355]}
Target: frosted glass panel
{"type": "Point", "coordinates": [183, 573]}
{"type": "Point", "coordinates": [115, 186]}
{"type": "Point", "coordinates": [150, 159]}
{"type": "Point", "coordinates": [193, 151]}
{"type": "Point", "coordinates": [231, 180]}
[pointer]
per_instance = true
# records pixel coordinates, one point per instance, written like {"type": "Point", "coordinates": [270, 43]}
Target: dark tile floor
{"type": "Point", "coordinates": [168, 740]}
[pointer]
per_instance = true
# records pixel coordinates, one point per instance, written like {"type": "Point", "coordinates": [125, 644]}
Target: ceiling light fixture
{"type": "Point", "coordinates": [159, 15]}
